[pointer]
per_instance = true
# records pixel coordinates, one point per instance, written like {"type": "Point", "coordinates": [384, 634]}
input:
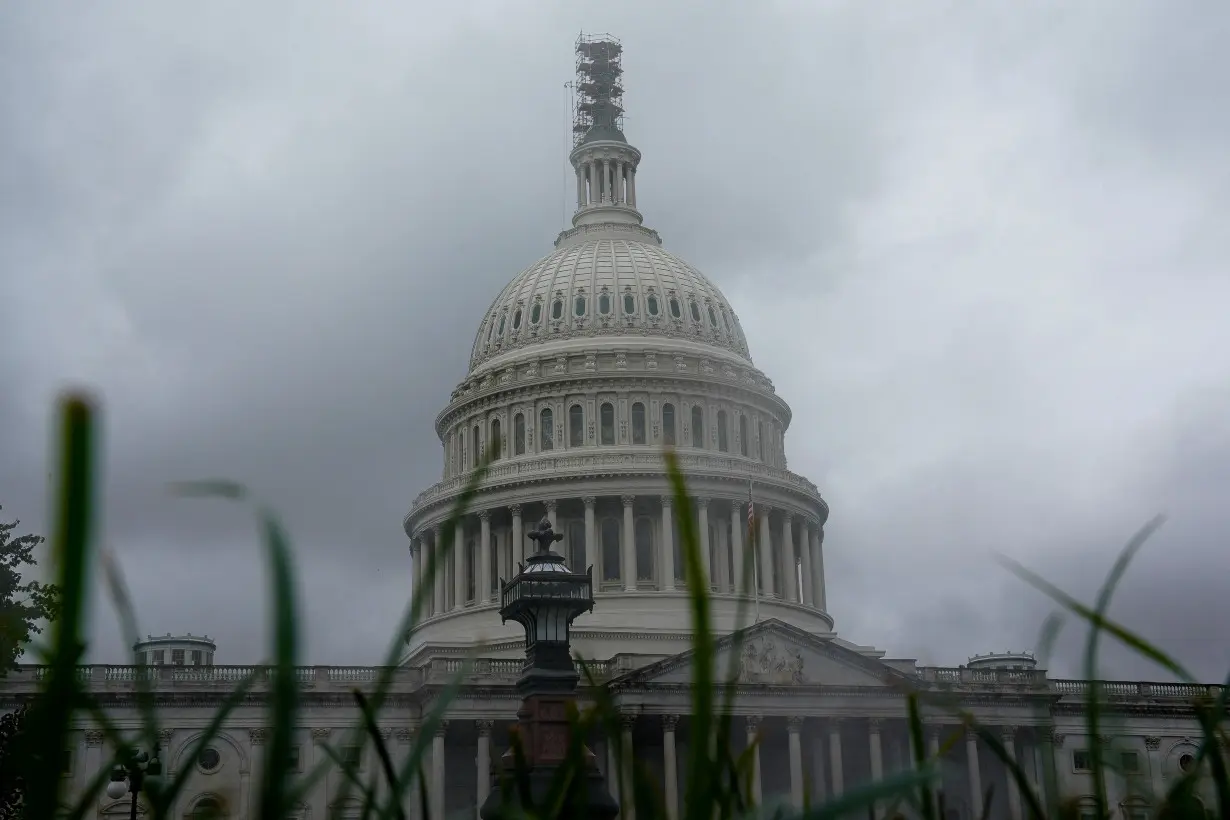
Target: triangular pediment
{"type": "Point", "coordinates": [773, 653]}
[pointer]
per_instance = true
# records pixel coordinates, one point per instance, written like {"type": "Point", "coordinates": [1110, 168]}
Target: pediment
{"type": "Point", "coordinates": [773, 653]}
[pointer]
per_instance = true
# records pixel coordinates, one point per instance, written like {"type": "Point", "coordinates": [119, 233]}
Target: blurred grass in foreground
{"type": "Point", "coordinates": [718, 781]}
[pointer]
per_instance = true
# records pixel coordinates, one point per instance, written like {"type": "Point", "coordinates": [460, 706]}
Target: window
{"type": "Point", "coordinates": [604, 303]}
{"type": "Point", "coordinates": [760, 440]}
{"type": "Point", "coordinates": [352, 756]}
{"type": "Point", "coordinates": [476, 450]}
{"type": "Point", "coordinates": [638, 423]}
{"type": "Point", "coordinates": [576, 426]}
{"type": "Point", "coordinates": [668, 424]}
{"type": "Point", "coordinates": [574, 545]}
{"type": "Point", "coordinates": [66, 762]}
{"type": "Point", "coordinates": [196, 657]}
{"type": "Point", "coordinates": [643, 533]}
{"type": "Point", "coordinates": [675, 311]}
{"type": "Point", "coordinates": [557, 309]}
{"type": "Point", "coordinates": [579, 306]}
{"type": "Point", "coordinates": [698, 426]}
{"type": "Point", "coordinates": [141, 659]}
{"type": "Point", "coordinates": [517, 319]}
{"type": "Point", "coordinates": [712, 317]}
{"type": "Point", "coordinates": [500, 330]}
{"type": "Point", "coordinates": [629, 304]}
{"type": "Point", "coordinates": [546, 430]}
{"type": "Point", "coordinates": [519, 435]}
{"type": "Point", "coordinates": [652, 304]}
{"type": "Point", "coordinates": [496, 443]}
{"type": "Point", "coordinates": [207, 808]}
{"type": "Point", "coordinates": [536, 313]}
{"type": "Point", "coordinates": [610, 549]}
{"type": "Point", "coordinates": [157, 656]}
{"type": "Point", "coordinates": [723, 438]}
{"type": "Point", "coordinates": [742, 435]}
{"type": "Point", "coordinates": [1129, 762]}
{"type": "Point", "coordinates": [177, 657]}
{"type": "Point", "coordinates": [1187, 762]}
{"type": "Point", "coordinates": [1081, 760]}
{"type": "Point", "coordinates": [209, 759]}
{"type": "Point", "coordinates": [606, 417]}
{"type": "Point", "coordinates": [695, 311]}
{"type": "Point", "coordinates": [471, 569]}
{"type": "Point", "coordinates": [293, 758]}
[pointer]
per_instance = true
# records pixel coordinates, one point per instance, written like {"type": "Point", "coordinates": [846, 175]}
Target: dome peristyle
{"type": "Point", "coordinates": [611, 283]}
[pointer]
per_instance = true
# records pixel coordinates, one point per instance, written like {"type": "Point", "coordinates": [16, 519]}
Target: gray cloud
{"type": "Point", "coordinates": [977, 250]}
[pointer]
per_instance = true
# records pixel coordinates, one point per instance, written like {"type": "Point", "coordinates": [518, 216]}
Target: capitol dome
{"type": "Point", "coordinates": [588, 365]}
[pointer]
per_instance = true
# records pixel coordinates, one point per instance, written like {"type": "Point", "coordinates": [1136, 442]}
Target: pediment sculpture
{"type": "Point", "coordinates": [764, 662]}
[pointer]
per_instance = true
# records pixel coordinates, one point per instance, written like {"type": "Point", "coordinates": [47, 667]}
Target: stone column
{"type": "Point", "coordinates": [670, 769]}
{"type": "Point", "coordinates": [595, 187]}
{"type": "Point", "coordinates": [410, 796]}
{"type": "Point", "coordinates": [92, 764]}
{"type": "Point", "coordinates": [790, 569]}
{"type": "Point", "coordinates": [516, 537]}
{"type": "Point", "coordinates": [794, 724]}
{"type": "Point", "coordinates": [629, 545]}
{"type": "Point", "coordinates": [552, 513]}
{"type": "Point", "coordinates": [818, 791]}
{"type": "Point", "coordinates": [702, 508]}
{"type": "Point", "coordinates": [933, 753]}
{"type": "Point", "coordinates": [738, 583]}
{"type": "Point", "coordinates": [580, 186]}
{"type": "Point", "coordinates": [319, 797]}
{"type": "Point", "coordinates": [753, 731]}
{"type": "Point", "coordinates": [1039, 779]}
{"type": "Point", "coordinates": [484, 556]}
{"type": "Point", "coordinates": [439, 601]}
{"type": "Point", "coordinates": [437, 770]}
{"type": "Point", "coordinates": [459, 566]}
{"type": "Point", "coordinates": [975, 776]}
{"type": "Point", "coordinates": [809, 575]}
{"type": "Point", "coordinates": [766, 551]}
{"type": "Point", "coordinates": [618, 190]}
{"type": "Point", "coordinates": [668, 543]}
{"type": "Point", "coordinates": [819, 599]}
{"type": "Point", "coordinates": [483, 761]}
{"type": "Point", "coordinates": [1014, 788]}
{"type": "Point", "coordinates": [632, 186]}
{"type": "Point", "coordinates": [835, 756]}
{"type": "Point", "coordinates": [628, 802]}
{"type": "Point", "coordinates": [877, 758]}
{"type": "Point", "coordinates": [1050, 742]}
{"type": "Point", "coordinates": [591, 530]}
{"type": "Point", "coordinates": [614, 783]}
{"type": "Point", "coordinates": [1152, 747]}
{"type": "Point", "coordinates": [607, 194]}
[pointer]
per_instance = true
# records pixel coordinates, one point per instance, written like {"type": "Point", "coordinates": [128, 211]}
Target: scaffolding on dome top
{"type": "Point", "coordinates": [597, 91]}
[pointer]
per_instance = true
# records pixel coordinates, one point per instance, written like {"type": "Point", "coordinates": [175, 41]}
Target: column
{"type": "Point", "coordinates": [619, 181]}
{"type": "Point", "coordinates": [591, 529]}
{"type": "Point", "coordinates": [483, 761]}
{"type": "Point", "coordinates": [818, 792]}
{"type": "Point", "coordinates": [409, 796]}
{"type": "Point", "coordinates": [629, 545]}
{"type": "Point", "coordinates": [580, 186]}
{"type": "Point", "coordinates": [484, 556]}
{"type": "Point", "coordinates": [437, 770]}
{"type": "Point", "coordinates": [819, 598]}
{"type": "Point", "coordinates": [595, 187]}
{"type": "Point", "coordinates": [835, 755]}
{"type": "Point", "coordinates": [766, 551]}
{"type": "Point", "coordinates": [1152, 745]}
{"type": "Point", "coordinates": [606, 181]}
{"type": "Point", "coordinates": [552, 513]}
{"type": "Point", "coordinates": [793, 725]}
{"type": "Point", "coordinates": [933, 753]}
{"type": "Point", "coordinates": [439, 602]}
{"type": "Point", "coordinates": [877, 758]}
{"type": "Point", "coordinates": [668, 543]}
{"type": "Point", "coordinates": [516, 538]}
{"type": "Point", "coordinates": [632, 186]}
{"type": "Point", "coordinates": [613, 782]}
{"type": "Point", "coordinates": [702, 508]}
{"type": "Point", "coordinates": [1050, 772]}
{"type": "Point", "coordinates": [975, 777]}
{"type": "Point", "coordinates": [753, 731]}
{"type": "Point", "coordinates": [1039, 780]}
{"type": "Point", "coordinates": [809, 576]}
{"type": "Point", "coordinates": [1014, 788]}
{"type": "Point", "coordinates": [92, 764]}
{"type": "Point", "coordinates": [628, 802]}
{"type": "Point", "coordinates": [790, 569]}
{"type": "Point", "coordinates": [318, 799]}
{"type": "Point", "coordinates": [459, 566]}
{"type": "Point", "coordinates": [738, 583]}
{"type": "Point", "coordinates": [670, 769]}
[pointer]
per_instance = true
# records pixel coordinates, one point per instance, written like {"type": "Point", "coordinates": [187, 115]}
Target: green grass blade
{"type": "Point", "coordinates": [919, 747]}
{"type": "Point", "coordinates": [860, 799]}
{"type": "Point", "coordinates": [382, 751]}
{"type": "Point", "coordinates": [122, 601]}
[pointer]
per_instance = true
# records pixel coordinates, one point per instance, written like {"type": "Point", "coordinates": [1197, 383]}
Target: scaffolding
{"type": "Point", "coordinates": [597, 93]}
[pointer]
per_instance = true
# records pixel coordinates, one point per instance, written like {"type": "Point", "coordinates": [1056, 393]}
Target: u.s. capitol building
{"type": "Point", "coordinates": [586, 366]}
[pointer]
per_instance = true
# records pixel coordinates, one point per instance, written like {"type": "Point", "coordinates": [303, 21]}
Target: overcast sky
{"type": "Point", "coordinates": [980, 248]}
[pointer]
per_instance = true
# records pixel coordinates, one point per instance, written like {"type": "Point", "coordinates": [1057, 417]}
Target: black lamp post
{"type": "Point", "coordinates": [137, 771]}
{"type": "Point", "coordinates": [545, 597]}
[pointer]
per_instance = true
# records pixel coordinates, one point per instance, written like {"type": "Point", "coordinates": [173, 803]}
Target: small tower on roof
{"type": "Point", "coordinates": [175, 650]}
{"type": "Point", "coordinates": [1004, 660]}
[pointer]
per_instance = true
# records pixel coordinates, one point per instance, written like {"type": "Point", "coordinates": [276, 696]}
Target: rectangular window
{"type": "Point", "coordinates": [196, 657]}
{"type": "Point", "coordinates": [1081, 760]}
{"type": "Point", "coordinates": [157, 656]}
{"type": "Point", "coordinates": [638, 423]}
{"type": "Point", "coordinates": [177, 657]}
{"type": "Point", "coordinates": [352, 756]}
{"type": "Point", "coordinates": [1130, 762]}
{"type": "Point", "coordinates": [66, 762]}
{"type": "Point", "coordinates": [141, 659]}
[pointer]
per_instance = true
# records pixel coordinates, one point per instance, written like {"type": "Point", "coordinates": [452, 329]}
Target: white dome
{"type": "Point", "coordinates": [612, 286]}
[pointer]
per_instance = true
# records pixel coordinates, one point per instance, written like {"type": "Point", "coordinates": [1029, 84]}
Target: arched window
{"type": "Point", "coordinates": [760, 440]}
{"type": "Point", "coordinates": [579, 306]}
{"type": "Point", "coordinates": [536, 313]}
{"type": "Point", "coordinates": [604, 303]}
{"type": "Point", "coordinates": [500, 330]}
{"type": "Point", "coordinates": [668, 424]}
{"type": "Point", "coordinates": [723, 436]}
{"type": "Point", "coordinates": [638, 423]}
{"type": "Point", "coordinates": [712, 317]}
{"type": "Point", "coordinates": [695, 311]}
{"type": "Point", "coordinates": [742, 435]}
{"type": "Point", "coordinates": [652, 304]}
{"type": "Point", "coordinates": [517, 319]}
{"type": "Point", "coordinates": [476, 447]}
{"type": "Point", "coordinates": [576, 426]}
{"type": "Point", "coordinates": [557, 309]}
{"type": "Point", "coordinates": [610, 549]}
{"type": "Point", "coordinates": [546, 430]}
{"type": "Point", "coordinates": [606, 417]}
{"type": "Point", "coordinates": [643, 533]}
{"type": "Point", "coordinates": [698, 426]}
{"type": "Point", "coordinates": [471, 569]}
{"type": "Point", "coordinates": [519, 435]}
{"type": "Point", "coordinates": [675, 311]}
{"type": "Point", "coordinates": [497, 443]}
{"type": "Point", "coordinates": [208, 808]}
{"type": "Point", "coordinates": [629, 304]}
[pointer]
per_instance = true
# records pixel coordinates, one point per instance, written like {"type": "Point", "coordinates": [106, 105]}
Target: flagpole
{"type": "Point", "coordinates": [751, 539]}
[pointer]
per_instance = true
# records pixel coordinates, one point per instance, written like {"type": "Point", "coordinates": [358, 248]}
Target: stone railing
{"type": "Point", "coordinates": [442, 670]}
{"type": "Point", "coordinates": [586, 463]}
{"type": "Point", "coordinates": [1184, 691]}
{"type": "Point", "coordinates": [952, 675]}
{"type": "Point", "coordinates": [99, 676]}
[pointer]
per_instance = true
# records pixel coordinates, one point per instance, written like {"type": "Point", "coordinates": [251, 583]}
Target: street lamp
{"type": "Point", "coordinates": [545, 597]}
{"type": "Point", "coordinates": [138, 770]}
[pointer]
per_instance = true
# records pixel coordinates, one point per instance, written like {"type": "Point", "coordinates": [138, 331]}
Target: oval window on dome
{"type": "Point", "coordinates": [557, 309]}
{"type": "Point", "coordinates": [604, 303]}
{"type": "Point", "coordinates": [500, 330]}
{"type": "Point", "coordinates": [517, 319]}
{"type": "Point", "coordinates": [629, 304]}
{"type": "Point", "coordinates": [695, 311]}
{"type": "Point", "coordinates": [675, 311]}
{"type": "Point", "coordinates": [536, 313]}
{"type": "Point", "coordinates": [652, 304]}
{"type": "Point", "coordinates": [712, 316]}
{"type": "Point", "coordinates": [579, 306]}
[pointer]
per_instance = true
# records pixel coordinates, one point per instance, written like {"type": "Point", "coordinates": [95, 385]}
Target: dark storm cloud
{"type": "Point", "coordinates": [976, 250]}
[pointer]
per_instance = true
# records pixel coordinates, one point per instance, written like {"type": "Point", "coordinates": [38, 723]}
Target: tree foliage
{"type": "Point", "coordinates": [12, 758]}
{"type": "Point", "coordinates": [23, 604]}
